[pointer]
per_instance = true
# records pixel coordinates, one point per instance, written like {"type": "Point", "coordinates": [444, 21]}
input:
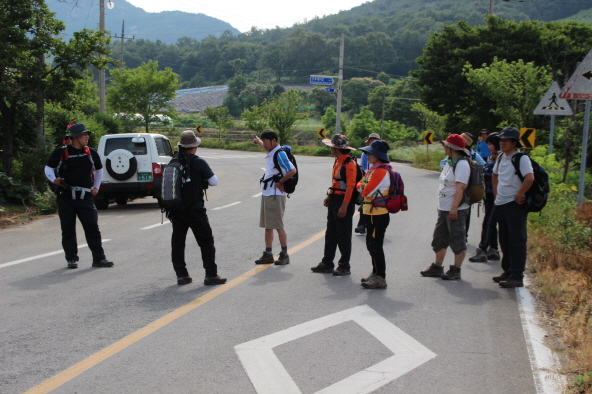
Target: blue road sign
{"type": "Point", "coordinates": [320, 80]}
{"type": "Point", "coordinates": [329, 90]}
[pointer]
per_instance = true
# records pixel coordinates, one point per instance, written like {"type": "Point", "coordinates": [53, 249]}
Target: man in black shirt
{"type": "Point", "coordinates": [191, 213]}
{"type": "Point", "coordinates": [76, 171]}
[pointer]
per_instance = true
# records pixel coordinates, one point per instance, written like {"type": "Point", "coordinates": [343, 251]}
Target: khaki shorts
{"type": "Point", "coordinates": [272, 212]}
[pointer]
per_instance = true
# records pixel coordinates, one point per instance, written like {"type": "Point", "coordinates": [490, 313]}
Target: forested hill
{"type": "Point", "coordinates": [167, 26]}
{"type": "Point", "coordinates": [381, 36]}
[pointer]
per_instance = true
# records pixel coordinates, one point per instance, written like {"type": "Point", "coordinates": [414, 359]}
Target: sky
{"type": "Point", "coordinates": [242, 15]}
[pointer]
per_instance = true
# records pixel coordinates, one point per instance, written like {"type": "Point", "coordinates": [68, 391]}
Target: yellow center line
{"type": "Point", "coordinates": [86, 364]}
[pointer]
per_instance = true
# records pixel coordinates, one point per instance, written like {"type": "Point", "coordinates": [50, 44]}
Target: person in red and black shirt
{"type": "Point", "coordinates": [340, 208]}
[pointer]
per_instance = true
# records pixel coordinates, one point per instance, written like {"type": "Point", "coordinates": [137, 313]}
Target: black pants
{"type": "Point", "coordinates": [376, 227]}
{"type": "Point", "coordinates": [69, 209]}
{"type": "Point", "coordinates": [339, 231]}
{"type": "Point", "coordinates": [489, 227]}
{"type": "Point", "coordinates": [198, 222]}
{"type": "Point", "coordinates": [363, 218]}
{"type": "Point", "coordinates": [512, 238]}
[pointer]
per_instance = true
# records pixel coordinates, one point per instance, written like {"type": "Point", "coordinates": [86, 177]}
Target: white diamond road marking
{"type": "Point", "coordinates": [268, 375]}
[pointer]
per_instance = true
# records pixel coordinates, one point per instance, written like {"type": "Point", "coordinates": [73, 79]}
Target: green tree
{"type": "Point", "coordinates": [395, 131]}
{"type": "Point", "coordinates": [29, 34]}
{"type": "Point", "coordinates": [321, 99]}
{"type": "Point", "coordinates": [356, 91]}
{"type": "Point", "coordinates": [516, 88]}
{"type": "Point", "coordinates": [445, 87]}
{"type": "Point", "coordinates": [282, 114]}
{"type": "Point", "coordinates": [144, 90]}
{"type": "Point", "coordinates": [432, 121]}
{"type": "Point", "coordinates": [255, 119]}
{"type": "Point", "coordinates": [361, 126]}
{"type": "Point", "coordinates": [329, 120]}
{"type": "Point", "coordinates": [221, 118]}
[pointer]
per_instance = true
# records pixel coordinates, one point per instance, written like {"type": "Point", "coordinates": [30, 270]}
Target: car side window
{"type": "Point", "coordinates": [125, 143]}
{"type": "Point", "coordinates": [164, 147]}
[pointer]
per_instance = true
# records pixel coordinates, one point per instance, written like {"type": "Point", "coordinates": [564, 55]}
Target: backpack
{"type": "Point", "coordinates": [290, 184]}
{"type": "Point", "coordinates": [475, 190]}
{"type": "Point", "coordinates": [395, 200]}
{"type": "Point", "coordinates": [356, 196]}
{"type": "Point", "coordinates": [63, 160]}
{"type": "Point", "coordinates": [536, 196]}
{"type": "Point", "coordinates": [172, 181]}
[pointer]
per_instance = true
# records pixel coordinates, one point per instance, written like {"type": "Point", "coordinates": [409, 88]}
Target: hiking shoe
{"type": "Point", "coordinates": [364, 280]}
{"type": "Point", "coordinates": [511, 283]}
{"type": "Point", "coordinates": [452, 273]}
{"type": "Point", "coordinates": [433, 271]}
{"type": "Point", "coordinates": [72, 264]}
{"type": "Point", "coordinates": [102, 263]}
{"type": "Point", "coordinates": [266, 258]}
{"type": "Point", "coordinates": [376, 282]}
{"type": "Point", "coordinates": [479, 257]}
{"type": "Point", "coordinates": [492, 254]}
{"type": "Point", "coordinates": [323, 268]}
{"type": "Point", "coordinates": [341, 270]}
{"type": "Point", "coordinates": [283, 259]}
{"type": "Point", "coordinates": [214, 280]}
{"type": "Point", "coordinates": [502, 277]}
{"type": "Point", "coordinates": [360, 229]}
{"type": "Point", "coordinates": [184, 280]}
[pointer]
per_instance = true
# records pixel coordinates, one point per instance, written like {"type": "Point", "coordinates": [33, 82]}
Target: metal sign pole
{"type": "Point", "coordinates": [584, 153]}
{"type": "Point", "coordinates": [339, 93]}
{"type": "Point", "coordinates": [552, 131]}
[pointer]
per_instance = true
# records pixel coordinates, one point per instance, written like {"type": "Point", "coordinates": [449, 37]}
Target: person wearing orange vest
{"type": "Point", "coordinates": [340, 209]}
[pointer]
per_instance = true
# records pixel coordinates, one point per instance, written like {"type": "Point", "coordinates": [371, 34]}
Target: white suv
{"type": "Point", "coordinates": [132, 165]}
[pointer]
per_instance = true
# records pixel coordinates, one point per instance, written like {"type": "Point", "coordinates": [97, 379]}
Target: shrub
{"type": "Point", "coordinates": [46, 203]}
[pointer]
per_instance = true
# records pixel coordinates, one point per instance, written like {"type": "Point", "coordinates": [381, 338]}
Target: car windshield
{"type": "Point", "coordinates": [164, 147]}
{"type": "Point", "coordinates": [127, 144]}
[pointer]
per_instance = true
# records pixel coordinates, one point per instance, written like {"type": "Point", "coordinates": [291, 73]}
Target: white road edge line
{"type": "Point", "coordinates": [40, 256]}
{"type": "Point", "coordinates": [156, 225]}
{"type": "Point", "coordinates": [257, 195]}
{"type": "Point", "coordinates": [226, 206]}
{"type": "Point", "coordinates": [542, 360]}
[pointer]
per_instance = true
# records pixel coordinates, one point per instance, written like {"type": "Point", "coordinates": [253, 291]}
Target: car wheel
{"type": "Point", "coordinates": [102, 204]}
{"type": "Point", "coordinates": [121, 164]}
{"type": "Point", "coordinates": [121, 200]}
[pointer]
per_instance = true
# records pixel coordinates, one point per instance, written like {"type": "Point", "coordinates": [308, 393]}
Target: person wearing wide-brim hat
{"type": "Point", "coordinates": [373, 187]}
{"type": "Point", "coordinates": [453, 209]}
{"type": "Point", "coordinates": [361, 227]}
{"type": "Point", "coordinates": [340, 208]}
{"type": "Point", "coordinates": [76, 172]}
{"type": "Point", "coordinates": [191, 213]}
{"type": "Point", "coordinates": [509, 190]}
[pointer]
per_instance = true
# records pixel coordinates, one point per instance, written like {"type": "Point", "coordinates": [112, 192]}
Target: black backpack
{"type": "Point", "coordinates": [536, 196]}
{"type": "Point", "coordinates": [290, 184]}
{"type": "Point", "coordinates": [356, 196]}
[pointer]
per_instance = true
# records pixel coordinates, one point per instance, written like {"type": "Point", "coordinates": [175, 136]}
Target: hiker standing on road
{"type": "Point", "coordinates": [488, 247]}
{"type": "Point", "coordinates": [361, 227]}
{"type": "Point", "coordinates": [273, 197]}
{"type": "Point", "coordinates": [76, 171]}
{"type": "Point", "coordinates": [376, 184]}
{"type": "Point", "coordinates": [511, 212]}
{"type": "Point", "coordinates": [452, 210]}
{"type": "Point", "coordinates": [340, 208]}
{"type": "Point", "coordinates": [191, 213]}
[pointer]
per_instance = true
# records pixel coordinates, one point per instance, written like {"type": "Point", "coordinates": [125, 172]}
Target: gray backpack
{"type": "Point", "coordinates": [172, 180]}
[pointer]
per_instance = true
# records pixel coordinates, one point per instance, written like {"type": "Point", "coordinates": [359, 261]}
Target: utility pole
{"type": "Point", "coordinates": [39, 129]}
{"type": "Point", "coordinates": [490, 7]}
{"type": "Point", "coordinates": [123, 38]}
{"type": "Point", "coordinates": [102, 71]}
{"type": "Point", "coordinates": [339, 82]}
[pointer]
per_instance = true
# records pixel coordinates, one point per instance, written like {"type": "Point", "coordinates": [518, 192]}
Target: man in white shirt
{"type": "Point", "coordinates": [509, 194]}
{"type": "Point", "coordinates": [273, 198]}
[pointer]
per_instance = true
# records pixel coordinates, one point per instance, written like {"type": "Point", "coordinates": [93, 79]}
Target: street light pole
{"type": "Point", "coordinates": [339, 82]}
{"type": "Point", "coordinates": [102, 71]}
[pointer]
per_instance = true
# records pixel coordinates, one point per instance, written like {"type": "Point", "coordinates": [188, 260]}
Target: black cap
{"type": "Point", "coordinates": [511, 133]}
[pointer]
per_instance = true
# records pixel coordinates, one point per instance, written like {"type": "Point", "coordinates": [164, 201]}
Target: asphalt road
{"type": "Point", "coordinates": [271, 329]}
